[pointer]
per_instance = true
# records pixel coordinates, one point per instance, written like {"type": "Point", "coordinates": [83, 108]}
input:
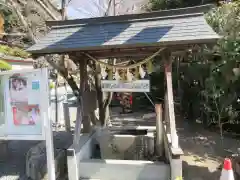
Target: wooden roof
{"type": "Point", "coordinates": [147, 31]}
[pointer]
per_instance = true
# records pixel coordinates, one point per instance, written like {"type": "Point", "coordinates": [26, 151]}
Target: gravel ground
{"type": "Point", "coordinates": [203, 151]}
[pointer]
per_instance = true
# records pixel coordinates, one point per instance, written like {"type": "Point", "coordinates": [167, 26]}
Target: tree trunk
{"type": "Point", "coordinates": [103, 99]}
{"type": "Point", "coordinates": [220, 124]}
{"type": "Point", "coordinates": [83, 88]}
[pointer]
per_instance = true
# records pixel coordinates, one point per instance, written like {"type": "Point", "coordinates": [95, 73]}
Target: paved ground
{"type": "Point", "coordinates": [12, 164]}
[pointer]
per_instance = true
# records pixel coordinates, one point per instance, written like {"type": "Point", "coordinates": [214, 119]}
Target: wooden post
{"type": "Point", "coordinates": [166, 114]}
{"type": "Point", "coordinates": [56, 101]}
{"type": "Point", "coordinates": [159, 130]}
{"type": "Point", "coordinates": [66, 117]}
{"type": "Point", "coordinates": [168, 76]}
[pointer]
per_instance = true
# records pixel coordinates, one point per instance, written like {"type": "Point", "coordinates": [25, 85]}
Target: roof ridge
{"type": "Point", "coordinates": [130, 17]}
{"type": "Point", "coordinates": [130, 21]}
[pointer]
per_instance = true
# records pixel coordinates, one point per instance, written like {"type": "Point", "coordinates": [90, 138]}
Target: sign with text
{"type": "Point", "coordinates": [122, 86]}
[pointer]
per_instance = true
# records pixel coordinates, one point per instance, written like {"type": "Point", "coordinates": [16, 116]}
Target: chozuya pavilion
{"type": "Point", "coordinates": [136, 36]}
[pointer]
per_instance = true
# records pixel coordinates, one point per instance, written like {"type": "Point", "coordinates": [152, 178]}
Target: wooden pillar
{"type": "Point", "coordinates": [159, 130]}
{"type": "Point", "coordinates": [170, 101]}
{"type": "Point", "coordinates": [166, 113]}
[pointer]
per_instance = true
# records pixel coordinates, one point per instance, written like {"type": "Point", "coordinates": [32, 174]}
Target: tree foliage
{"type": "Point", "coordinates": [210, 82]}
{"type": "Point", "coordinates": [10, 18]}
{"type": "Point", "coordinates": [13, 51]}
{"type": "Point", "coordinates": [32, 15]}
{"type": "Point", "coordinates": [155, 5]}
{"type": "Point", "coordinates": [221, 93]}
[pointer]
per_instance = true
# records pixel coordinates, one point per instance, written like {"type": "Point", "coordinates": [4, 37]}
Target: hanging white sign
{"type": "Point", "coordinates": [121, 86]}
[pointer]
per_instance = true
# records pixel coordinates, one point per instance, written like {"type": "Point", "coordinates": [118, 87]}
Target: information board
{"type": "Point", "coordinates": [24, 109]}
{"type": "Point", "coordinates": [23, 104]}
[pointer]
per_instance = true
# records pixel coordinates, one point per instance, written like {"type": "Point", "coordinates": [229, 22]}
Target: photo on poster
{"type": "Point", "coordinates": [18, 88]}
{"type": "Point", "coordinates": [24, 110]}
{"type": "Point", "coordinates": [24, 114]}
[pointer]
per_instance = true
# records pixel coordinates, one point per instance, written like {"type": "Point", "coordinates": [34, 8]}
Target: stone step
{"type": "Point", "coordinates": [123, 169]}
{"type": "Point", "coordinates": [148, 128]}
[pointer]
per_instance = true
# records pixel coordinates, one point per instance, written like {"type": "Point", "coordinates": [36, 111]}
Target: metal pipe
{"type": "Point", "coordinates": [149, 99]}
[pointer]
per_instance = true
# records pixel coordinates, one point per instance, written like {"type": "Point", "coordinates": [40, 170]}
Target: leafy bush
{"type": "Point", "coordinates": [13, 51]}
{"type": "Point", "coordinates": [218, 72]}
{"type": "Point", "coordinates": [210, 81]}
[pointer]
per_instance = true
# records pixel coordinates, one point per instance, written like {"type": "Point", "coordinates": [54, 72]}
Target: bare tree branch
{"type": "Point", "coordinates": [42, 4]}
{"type": "Point", "coordinates": [13, 34]}
{"type": "Point", "coordinates": [23, 21]}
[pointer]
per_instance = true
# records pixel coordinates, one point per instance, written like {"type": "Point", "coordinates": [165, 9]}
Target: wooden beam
{"type": "Point", "coordinates": [42, 4]}
{"type": "Point", "coordinates": [128, 53]}
{"type": "Point", "coordinates": [121, 52]}
{"type": "Point", "coordinates": [159, 130]}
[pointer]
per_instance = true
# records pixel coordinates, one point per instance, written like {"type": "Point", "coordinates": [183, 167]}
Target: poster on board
{"type": "Point", "coordinates": [25, 103]}
{"type": "Point", "coordinates": [24, 113]}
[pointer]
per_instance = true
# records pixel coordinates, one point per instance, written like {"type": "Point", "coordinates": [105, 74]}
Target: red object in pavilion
{"type": "Point", "coordinates": [131, 100]}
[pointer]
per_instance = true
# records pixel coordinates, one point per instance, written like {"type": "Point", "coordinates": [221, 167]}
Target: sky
{"type": "Point", "coordinates": [85, 8]}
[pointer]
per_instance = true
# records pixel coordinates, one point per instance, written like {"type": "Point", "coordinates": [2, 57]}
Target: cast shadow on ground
{"type": "Point", "coordinates": [191, 172]}
{"type": "Point", "coordinates": [204, 151]}
{"type": "Point", "coordinates": [194, 139]}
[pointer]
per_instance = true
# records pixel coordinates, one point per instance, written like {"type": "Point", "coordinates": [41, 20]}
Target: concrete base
{"type": "Point", "coordinates": [75, 155]}
{"type": "Point", "coordinates": [82, 166]}
{"type": "Point", "coordinates": [125, 146]}
{"type": "Point", "coordinates": [123, 170]}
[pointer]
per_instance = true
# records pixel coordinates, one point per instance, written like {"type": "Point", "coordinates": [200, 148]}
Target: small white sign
{"type": "Point", "coordinates": [121, 86]}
